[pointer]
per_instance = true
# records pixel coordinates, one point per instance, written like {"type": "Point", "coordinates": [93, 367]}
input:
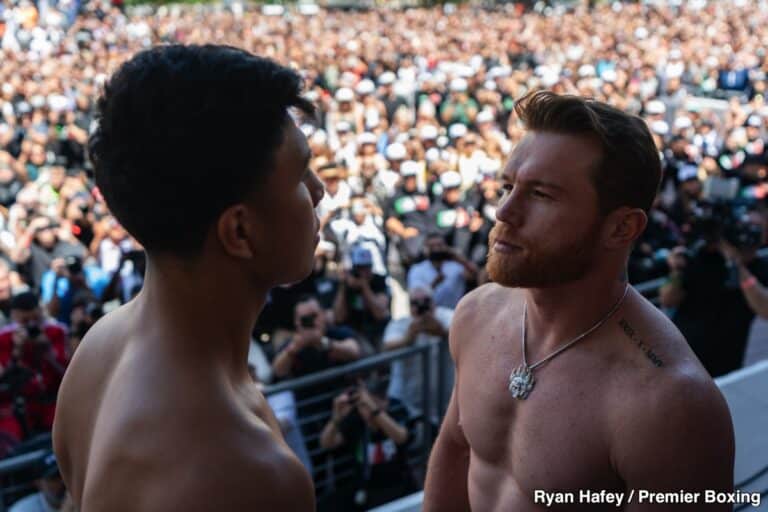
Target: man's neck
{"type": "Point", "coordinates": [208, 317]}
{"type": "Point", "coordinates": [559, 314]}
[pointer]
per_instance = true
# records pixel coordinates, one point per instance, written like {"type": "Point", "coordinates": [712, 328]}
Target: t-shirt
{"type": "Point", "coordinates": [40, 259]}
{"type": "Point", "coordinates": [406, 380]}
{"type": "Point", "coordinates": [410, 208]}
{"type": "Point", "coordinates": [358, 315]}
{"type": "Point", "coordinates": [450, 290]}
{"type": "Point", "coordinates": [311, 359]}
{"type": "Point", "coordinates": [452, 221]}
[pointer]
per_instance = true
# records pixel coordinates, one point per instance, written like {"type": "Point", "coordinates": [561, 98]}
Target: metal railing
{"type": "Point", "coordinates": [331, 468]}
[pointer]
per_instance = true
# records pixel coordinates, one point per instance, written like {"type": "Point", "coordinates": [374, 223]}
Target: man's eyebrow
{"type": "Point", "coordinates": [534, 183]}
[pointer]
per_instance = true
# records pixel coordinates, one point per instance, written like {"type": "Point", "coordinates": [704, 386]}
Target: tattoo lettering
{"type": "Point", "coordinates": [634, 338]}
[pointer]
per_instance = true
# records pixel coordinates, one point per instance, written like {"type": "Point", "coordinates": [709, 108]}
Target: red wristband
{"type": "Point", "coordinates": [748, 283]}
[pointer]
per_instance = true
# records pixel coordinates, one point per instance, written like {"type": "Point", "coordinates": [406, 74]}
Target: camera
{"type": "Point", "coordinates": [422, 306]}
{"type": "Point", "coordinates": [34, 331]}
{"type": "Point", "coordinates": [74, 264]}
{"type": "Point", "coordinates": [308, 321]}
{"type": "Point", "coordinates": [722, 215]}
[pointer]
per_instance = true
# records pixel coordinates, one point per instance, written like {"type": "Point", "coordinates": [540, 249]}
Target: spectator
{"type": "Point", "coordinates": [373, 428]}
{"type": "Point", "coordinates": [445, 271]}
{"type": "Point", "coordinates": [315, 346]}
{"type": "Point", "coordinates": [33, 357]}
{"type": "Point", "coordinates": [363, 298]}
{"type": "Point", "coordinates": [427, 323]}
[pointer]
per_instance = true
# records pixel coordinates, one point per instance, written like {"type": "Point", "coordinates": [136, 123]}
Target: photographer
{"type": "Point", "coordinates": [33, 357]}
{"type": "Point", "coordinates": [315, 346]}
{"type": "Point", "coordinates": [445, 271]}
{"type": "Point", "coordinates": [67, 282]}
{"type": "Point", "coordinates": [713, 302]}
{"type": "Point", "coordinates": [425, 324]}
{"type": "Point", "coordinates": [362, 300]}
{"type": "Point", "coordinates": [373, 429]}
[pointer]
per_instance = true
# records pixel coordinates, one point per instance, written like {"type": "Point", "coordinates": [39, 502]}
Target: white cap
{"type": "Point", "coordinates": [609, 75]}
{"type": "Point", "coordinates": [587, 70]}
{"type": "Point", "coordinates": [450, 179]}
{"type": "Point", "coordinates": [432, 154]}
{"type": "Point", "coordinates": [345, 94]}
{"type": "Point", "coordinates": [484, 116]}
{"type": "Point", "coordinates": [428, 132]}
{"type": "Point", "coordinates": [755, 120]}
{"type": "Point", "coordinates": [490, 85]}
{"type": "Point", "coordinates": [457, 130]}
{"type": "Point", "coordinates": [396, 151]}
{"type": "Point", "coordinates": [660, 127]}
{"type": "Point", "coordinates": [490, 166]}
{"type": "Point", "coordinates": [387, 78]}
{"type": "Point", "coordinates": [343, 126]}
{"type": "Point", "coordinates": [366, 138]}
{"type": "Point", "coordinates": [655, 107]}
{"type": "Point", "coordinates": [365, 87]}
{"type": "Point", "coordinates": [458, 85]}
{"type": "Point", "coordinates": [409, 168]}
{"type": "Point", "coordinates": [683, 122]}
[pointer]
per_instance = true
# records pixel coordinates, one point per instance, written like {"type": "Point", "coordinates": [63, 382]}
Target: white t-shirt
{"type": "Point", "coordinates": [405, 382]}
{"type": "Point", "coordinates": [450, 290]}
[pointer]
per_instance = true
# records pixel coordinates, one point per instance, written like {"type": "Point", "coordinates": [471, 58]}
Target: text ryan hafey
{"type": "Point", "coordinates": [548, 499]}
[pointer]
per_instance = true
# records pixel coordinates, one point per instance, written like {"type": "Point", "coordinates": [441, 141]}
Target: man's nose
{"type": "Point", "coordinates": [509, 210]}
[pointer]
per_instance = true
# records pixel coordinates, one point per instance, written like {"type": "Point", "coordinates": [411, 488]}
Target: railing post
{"type": "Point", "coordinates": [426, 392]}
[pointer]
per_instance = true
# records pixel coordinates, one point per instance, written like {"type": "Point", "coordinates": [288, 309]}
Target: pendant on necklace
{"type": "Point", "coordinates": [521, 382]}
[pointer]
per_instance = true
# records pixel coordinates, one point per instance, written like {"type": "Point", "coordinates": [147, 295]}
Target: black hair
{"type": "Point", "coordinates": [183, 133]}
{"type": "Point", "coordinates": [25, 301]}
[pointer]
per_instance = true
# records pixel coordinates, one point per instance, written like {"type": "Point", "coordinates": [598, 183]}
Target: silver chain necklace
{"type": "Point", "coordinates": [521, 379]}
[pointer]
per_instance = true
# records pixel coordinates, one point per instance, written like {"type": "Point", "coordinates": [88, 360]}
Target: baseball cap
{"type": "Point", "coordinates": [387, 78]}
{"type": "Point", "coordinates": [428, 132]}
{"type": "Point", "coordinates": [361, 257]}
{"type": "Point", "coordinates": [366, 138]}
{"type": "Point", "coordinates": [344, 94]}
{"type": "Point", "coordinates": [365, 87]}
{"type": "Point", "coordinates": [660, 127]}
{"type": "Point", "coordinates": [485, 116]}
{"type": "Point", "coordinates": [755, 121]}
{"type": "Point", "coordinates": [396, 151]}
{"type": "Point", "coordinates": [457, 130]}
{"type": "Point", "coordinates": [409, 168]}
{"type": "Point", "coordinates": [450, 179]}
{"type": "Point", "coordinates": [25, 301]}
{"type": "Point", "coordinates": [343, 126]}
{"type": "Point", "coordinates": [655, 107]}
{"type": "Point", "coordinates": [458, 85]}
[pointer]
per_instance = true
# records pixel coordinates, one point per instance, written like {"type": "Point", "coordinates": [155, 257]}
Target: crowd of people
{"type": "Point", "coordinates": [414, 123]}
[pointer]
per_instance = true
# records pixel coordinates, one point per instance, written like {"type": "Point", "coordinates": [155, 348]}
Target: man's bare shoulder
{"type": "Point", "coordinates": [476, 309]}
{"type": "Point", "coordinates": [676, 432]}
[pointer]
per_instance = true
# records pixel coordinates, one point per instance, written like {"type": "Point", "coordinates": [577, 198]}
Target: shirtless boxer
{"type": "Point", "coordinates": [197, 157]}
{"type": "Point", "coordinates": [626, 405]}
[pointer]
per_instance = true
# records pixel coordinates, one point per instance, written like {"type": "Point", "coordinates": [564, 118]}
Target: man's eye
{"type": "Point", "coordinates": [539, 193]}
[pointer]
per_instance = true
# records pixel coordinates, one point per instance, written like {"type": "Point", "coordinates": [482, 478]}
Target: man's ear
{"type": "Point", "coordinates": [235, 229]}
{"type": "Point", "coordinates": [623, 226]}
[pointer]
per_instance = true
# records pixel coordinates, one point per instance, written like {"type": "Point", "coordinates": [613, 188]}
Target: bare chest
{"type": "Point", "coordinates": [555, 438]}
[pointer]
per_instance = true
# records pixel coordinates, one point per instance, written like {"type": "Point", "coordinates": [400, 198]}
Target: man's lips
{"type": "Point", "coordinates": [505, 246]}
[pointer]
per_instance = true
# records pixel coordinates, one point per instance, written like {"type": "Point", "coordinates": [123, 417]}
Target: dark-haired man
{"type": "Point", "coordinates": [566, 378]}
{"type": "Point", "coordinates": [198, 158]}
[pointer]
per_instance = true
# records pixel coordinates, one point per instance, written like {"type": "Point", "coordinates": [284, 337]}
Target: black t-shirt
{"type": "Point", "coordinates": [410, 208]}
{"type": "Point", "coordinates": [358, 316]}
{"type": "Point", "coordinates": [452, 221]}
{"type": "Point", "coordinates": [311, 359]}
{"type": "Point", "coordinates": [714, 316]}
{"type": "Point", "coordinates": [378, 461]}
{"type": "Point", "coordinates": [40, 259]}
